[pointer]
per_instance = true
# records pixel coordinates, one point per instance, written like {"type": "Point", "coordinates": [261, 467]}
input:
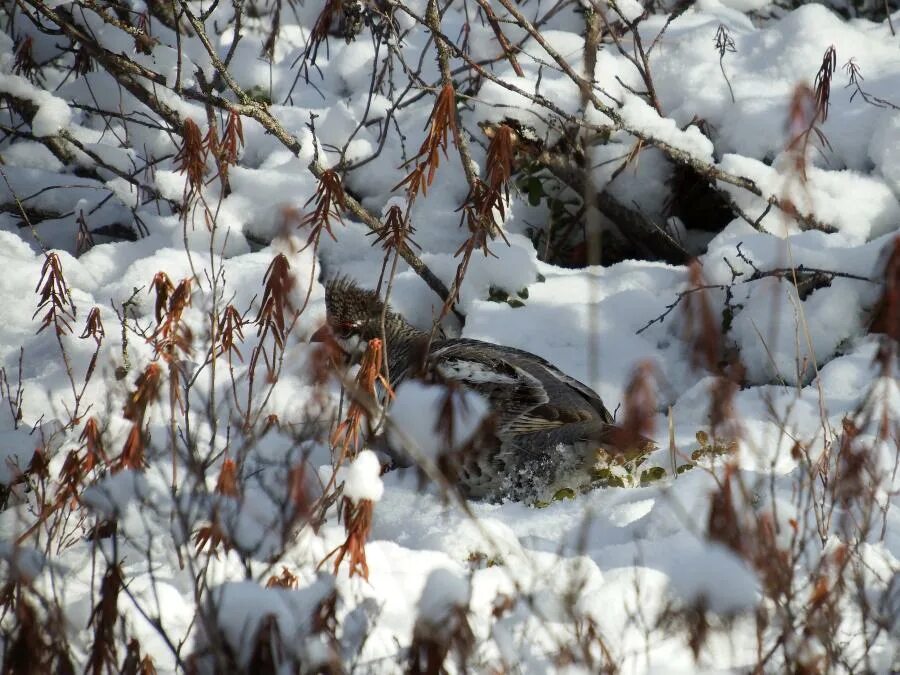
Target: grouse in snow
{"type": "Point", "coordinates": [548, 428]}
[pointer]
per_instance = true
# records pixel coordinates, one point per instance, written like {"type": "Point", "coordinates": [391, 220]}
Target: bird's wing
{"type": "Point", "coordinates": [555, 384]}
{"type": "Point", "coordinates": [527, 394]}
{"type": "Point", "coordinates": [585, 392]}
{"type": "Point", "coordinates": [511, 391]}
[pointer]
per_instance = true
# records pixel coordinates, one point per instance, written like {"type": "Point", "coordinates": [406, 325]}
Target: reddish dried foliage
{"type": "Point", "coordinates": [71, 476]}
{"type": "Point", "coordinates": [853, 466]}
{"type": "Point", "coordinates": [330, 202]}
{"type": "Point", "coordinates": [823, 82]}
{"type": "Point", "coordinates": [28, 650]}
{"type": "Point", "coordinates": [54, 297]}
{"type": "Point", "coordinates": [231, 326]}
{"type": "Point", "coordinates": [358, 522]}
{"type": "Point", "coordinates": [273, 311]}
{"type": "Point", "coordinates": [39, 466]}
{"type": "Point", "coordinates": [886, 314]}
{"type": "Point", "coordinates": [640, 408]}
{"type": "Point", "coordinates": [170, 305]}
{"type": "Point", "coordinates": [723, 525]}
{"type": "Point", "coordinates": [134, 663]}
{"type": "Point", "coordinates": [70, 483]}
{"type": "Point", "coordinates": [358, 516]}
{"type": "Point", "coordinates": [227, 484]}
{"type": "Point", "coordinates": [806, 607]}
{"type": "Point", "coordinates": [749, 536]}
{"type": "Point", "coordinates": [488, 198]}
{"type": "Point", "coordinates": [225, 150]}
{"type": "Point", "coordinates": [213, 536]}
{"type": "Point", "coordinates": [83, 62]}
{"type": "Point", "coordinates": [478, 216]}
{"type": "Point", "coordinates": [722, 417]}
{"type": "Point", "coordinates": [105, 615]}
{"type": "Point", "coordinates": [807, 110]}
{"type": "Point", "coordinates": [24, 62]}
{"type": "Point", "coordinates": [396, 232]}
{"type": "Point", "coordinates": [330, 13]}
{"type": "Point", "coordinates": [432, 644]}
{"type": "Point", "coordinates": [84, 238]}
{"type": "Point", "coordinates": [92, 444]}
{"type": "Point", "coordinates": [145, 392]}
{"type": "Point", "coordinates": [144, 42]}
{"type": "Point", "coordinates": [93, 326]}
{"type": "Point", "coordinates": [299, 494]}
{"type": "Point", "coordinates": [445, 425]}
{"type": "Point", "coordinates": [441, 124]}
{"type": "Point", "coordinates": [164, 288]}
{"type": "Point", "coordinates": [500, 157]}
{"type": "Point", "coordinates": [323, 359]}
{"type": "Point", "coordinates": [172, 338]}
{"type": "Point", "coordinates": [347, 433]}
{"type": "Point", "coordinates": [286, 579]}
{"type": "Point", "coordinates": [702, 331]}
{"type": "Point", "coordinates": [232, 139]}
{"type": "Point", "coordinates": [191, 158]}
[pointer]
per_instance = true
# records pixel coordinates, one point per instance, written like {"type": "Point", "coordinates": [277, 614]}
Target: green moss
{"type": "Point", "coordinates": [478, 560]}
{"type": "Point", "coordinates": [497, 294]}
{"type": "Point", "coordinates": [259, 94]}
{"type": "Point", "coordinates": [712, 447]}
{"type": "Point", "coordinates": [534, 188]}
{"type": "Point", "coordinates": [653, 474]}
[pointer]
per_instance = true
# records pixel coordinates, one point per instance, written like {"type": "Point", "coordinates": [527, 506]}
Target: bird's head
{"type": "Point", "coordinates": [353, 316]}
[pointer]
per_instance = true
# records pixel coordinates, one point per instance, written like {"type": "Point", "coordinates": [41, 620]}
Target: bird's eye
{"type": "Point", "coordinates": [345, 330]}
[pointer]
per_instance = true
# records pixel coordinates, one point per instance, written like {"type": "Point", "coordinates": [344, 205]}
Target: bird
{"type": "Point", "coordinates": [547, 428]}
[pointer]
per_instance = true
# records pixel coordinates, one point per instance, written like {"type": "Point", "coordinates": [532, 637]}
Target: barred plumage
{"type": "Point", "coordinates": [548, 426]}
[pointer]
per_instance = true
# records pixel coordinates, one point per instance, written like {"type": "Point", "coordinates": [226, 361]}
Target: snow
{"type": "Point", "coordinates": [885, 137]}
{"type": "Point", "coordinates": [52, 115]}
{"type": "Point", "coordinates": [416, 414]}
{"type": "Point", "coordinates": [638, 115]}
{"type": "Point", "coordinates": [112, 495]}
{"type": "Point", "coordinates": [445, 590]}
{"type": "Point", "coordinates": [241, 608]}
{"type": "Point", "coordinates": [717, 578]}
{"type": "Point", "coordinates": [361, 480]}
{"type": "Point", "coordinates": [621, 563]}
{"type": "Point", "coordinates": [33, 155]}
{"type": "Point", "coordinates": [775, 330]}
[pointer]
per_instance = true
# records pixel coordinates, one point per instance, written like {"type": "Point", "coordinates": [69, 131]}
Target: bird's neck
{"type": "Point", "coordinates": [399, 330]}
{"type": "Point", "coordinates": [406, 346]}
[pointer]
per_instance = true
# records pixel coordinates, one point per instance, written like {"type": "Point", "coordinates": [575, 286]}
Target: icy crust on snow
{"type": "Point", "coordinates": [627, 552]}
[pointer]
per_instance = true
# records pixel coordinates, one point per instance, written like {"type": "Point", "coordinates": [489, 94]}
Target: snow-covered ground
{"type": "Point", "coordinates": [613, 576]}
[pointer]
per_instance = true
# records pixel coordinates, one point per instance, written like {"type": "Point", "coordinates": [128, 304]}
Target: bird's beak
{"type": "Point", "coordinates": [323, 334]}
